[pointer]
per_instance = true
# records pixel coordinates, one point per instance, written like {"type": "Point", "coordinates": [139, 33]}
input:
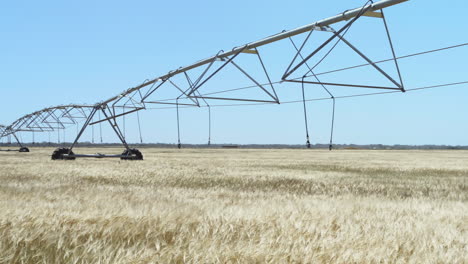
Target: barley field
{"type": "Point", "coordinates": [235, 206]}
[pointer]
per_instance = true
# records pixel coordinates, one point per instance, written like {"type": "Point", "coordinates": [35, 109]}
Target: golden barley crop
{"type": "Point", "coordinates": [236, 206]}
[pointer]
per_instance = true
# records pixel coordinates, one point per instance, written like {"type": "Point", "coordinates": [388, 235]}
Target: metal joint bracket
{"type": "Point", "coordinates": [373, 14]}
{"type": "Point", "coordinates": [325, 29]}
{"type": "Point", "coordinates": [248, 51]}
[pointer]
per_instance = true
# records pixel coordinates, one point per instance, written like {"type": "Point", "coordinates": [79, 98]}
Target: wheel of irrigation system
{"type": "Point", "coordinates": [59, 154]}
{"type": "Point", "coordinates": [23, 149]}
{"type": "Point", "coordinates": [131, 154]}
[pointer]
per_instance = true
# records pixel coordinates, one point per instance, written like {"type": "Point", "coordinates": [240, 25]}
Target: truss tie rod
{"type": "Point", "coordinates": [346, 15]}
{"type": "Point", "coordinates": [115, 116]}
{"type": "Point", "coordinates": [344, 84]}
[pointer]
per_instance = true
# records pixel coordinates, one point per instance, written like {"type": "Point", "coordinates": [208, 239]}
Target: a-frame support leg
{"type": "Point", "coordinates": [128, 154]}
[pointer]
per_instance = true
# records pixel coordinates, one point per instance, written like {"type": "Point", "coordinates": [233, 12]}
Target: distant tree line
{"type": "Point", "coordinates": [247, 146]}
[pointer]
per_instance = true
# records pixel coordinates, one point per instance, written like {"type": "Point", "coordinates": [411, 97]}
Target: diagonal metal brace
{"type": "Point", "coordinates": [368, 60]}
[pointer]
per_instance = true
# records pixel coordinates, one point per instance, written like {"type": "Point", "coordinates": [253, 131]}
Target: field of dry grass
{"type": "Point", "coordinates": [236, 206]}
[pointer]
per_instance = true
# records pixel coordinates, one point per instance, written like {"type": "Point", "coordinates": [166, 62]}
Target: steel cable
{"type": "Point", "coordinates": [328, 98]}
{"type": "Point", "coordinates": [338, 70]}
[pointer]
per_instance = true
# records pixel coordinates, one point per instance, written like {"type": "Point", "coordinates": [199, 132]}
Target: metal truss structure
{"type": "Point", "coordinates": [5, 133]}
{"type": "Point", "coordinates": [46, 120]}
{"type": "Point", "coordinates": [189, 83]}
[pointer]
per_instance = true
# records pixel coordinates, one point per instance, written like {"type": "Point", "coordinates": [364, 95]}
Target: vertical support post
{"type": "Point", "coordinates": [209, 124]}
{"type": "Point", "coordinates": [179, 145]}
{"type": "Point", "coordinates": [330, 147]}
{"type": "Point", "coordinates": [100, 127]}
{"type": "Point", "coordinates": [124, 134]}
{"type": "Point", "coordinates": [305, 115]}
{"type": "Point", "coordinates": [207, 105]}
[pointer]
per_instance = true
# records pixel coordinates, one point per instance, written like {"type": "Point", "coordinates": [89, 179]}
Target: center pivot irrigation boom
{"type": "Point", "coordinates": [4, 132]}
{"type": "Point", "coordinates": [46, 120]}
{"type": "Point", "coordinates": [196, 76]}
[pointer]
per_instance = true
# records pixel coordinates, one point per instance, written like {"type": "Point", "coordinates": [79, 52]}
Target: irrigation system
{"type": "Point", "coordinates": [188, 82]}
{"type": "Point", "coordinates": [6, 133]}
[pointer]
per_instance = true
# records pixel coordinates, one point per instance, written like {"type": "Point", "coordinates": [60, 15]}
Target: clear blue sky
{"type": "Point", "coordinates": [59, 52]}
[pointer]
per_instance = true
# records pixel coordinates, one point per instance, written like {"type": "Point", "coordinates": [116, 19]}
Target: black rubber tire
{"type": "Point", "coordinates": [132, 154]}
{"type": "Point", "coordinates": [23, 149]}
{"type": "Point", "coordinates": [58, 154]}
